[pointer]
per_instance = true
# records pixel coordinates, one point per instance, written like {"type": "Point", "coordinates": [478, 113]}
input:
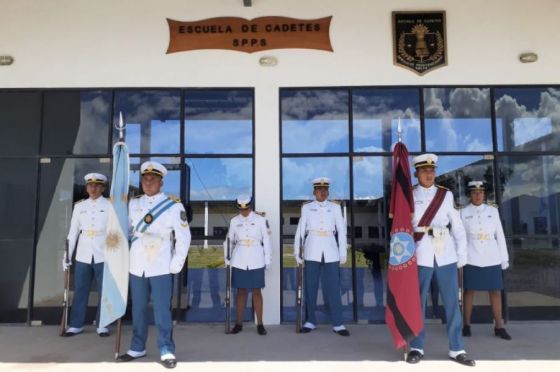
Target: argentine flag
{"type": "Point", "coordinates": [115, 272]}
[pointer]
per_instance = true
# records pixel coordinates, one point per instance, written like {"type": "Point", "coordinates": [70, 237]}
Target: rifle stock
{"type": "Point", "coordinates": [299, 294]}
{"type": "Point", "coordinates": [64, 319]}
{"type": "Point", "coordinates": [228, 287]}
{"type": "Point", "coordinates": [118, 338]}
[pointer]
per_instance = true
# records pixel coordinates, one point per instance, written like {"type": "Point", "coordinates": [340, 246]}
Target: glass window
{"type": "Point", "coordinates": [152, 120]}
{"type": "Point", "coordinates": [219, 179]}
{"type": "Point", "coordinates": [17, 226]}
{"type": "Point", "coordinates": [219, 121]}
{"type": "Point", "coordinates": [20, 123]}
{"type": "Point", "coordinates": [314, 121]}
{"type": "Point", "coordinates": [375, 117]}
{"type": "Point", "coordinates": [528, 119]}
{"type": "Point", "coordinates": [76, 122]}
{"type": "Point", "coordinates": [61, 185]}
{"type": "Point", "coordinates": [458, 119]}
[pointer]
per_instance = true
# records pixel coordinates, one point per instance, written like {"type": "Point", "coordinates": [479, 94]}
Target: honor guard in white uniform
{"type": "Point", "coordinates": [87, 228]}
{"type": "Point", "coordinates": [323, 231]}
{"type": "Point", "coordinates": [441, 248]}
{"type": "Point", "coordinates": [250, 255]}
{"type": "Point", "coordinates": [160, 241]}
{"type": "Point", "coordinates": [487, 256]}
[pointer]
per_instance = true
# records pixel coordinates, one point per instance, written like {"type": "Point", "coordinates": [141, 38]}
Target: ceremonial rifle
{"type": "Point", "coordinates": [228, 286]}
{"type": "Point", "coordinates": [299, 294]}
{"type": "Point", "coordinates": [64, 320]}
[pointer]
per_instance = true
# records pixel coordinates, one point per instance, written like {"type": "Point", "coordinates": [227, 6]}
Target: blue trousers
{"type": "Point", "coordinates": [83, 274]}
{"type": "Point", "coordinates": [330, 279]}
{"type": "Point", "coordinates": [446, 277]}
{"type": "Point", "coordinates": [159, 290]}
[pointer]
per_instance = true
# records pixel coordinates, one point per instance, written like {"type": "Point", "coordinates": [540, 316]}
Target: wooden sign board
{"type": "Point", "coordinates": [244, 35]}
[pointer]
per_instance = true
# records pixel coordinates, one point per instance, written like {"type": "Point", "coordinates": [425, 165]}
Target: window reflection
{"type": "Point", "coordinates": [375, 118]}
{"type": "Point", "coordinates": [528, 119]}
{"type": "Point", "coordinates": [314, 121]}
{"type": "Point", "coordinates": [458, 119]}
{"type": "Point", "coordinates": [152, 118]}
{"type": "Point", "coordinates": [218, 179]}
{"type": "Point", "coordinates": [219, 121]}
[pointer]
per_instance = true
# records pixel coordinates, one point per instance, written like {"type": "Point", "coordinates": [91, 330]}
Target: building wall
{"type": "Point", "coordinates": [103, 43]}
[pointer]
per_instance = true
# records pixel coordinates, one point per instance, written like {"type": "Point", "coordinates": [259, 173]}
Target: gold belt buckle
{"type": "Point", "coordinates": [90, 233]}
{"type": "Point", "coordinates": [481, 237]}
{"type": "Point", "coordinates": [246, 242]}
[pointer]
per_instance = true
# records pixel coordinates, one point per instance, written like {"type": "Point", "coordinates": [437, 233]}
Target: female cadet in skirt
{"type": "Point", "coordinates": [250, 254]}
{"type": "Point", "coordinates": [487, 256]}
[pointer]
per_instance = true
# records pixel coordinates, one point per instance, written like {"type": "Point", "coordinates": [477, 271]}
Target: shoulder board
{"type": "Point", "coordinates": [442, 187]}
{"type": "Point", "coordinates": [306, 202]}
{"type": "Point", "coordinates": [262, 214]}
{"type": "Point", "coordinates": [138, 196]}
{"type": "Point", "coordinates": [339, 202]}
{"type": "Point", "coordinates": [175, 199]}
{"type": "Point", "coordinates": [461, 206]}
{"type": "Point", "coordinates": [79, 201]}
{"type": "Point", "coordinates": [493, 205]}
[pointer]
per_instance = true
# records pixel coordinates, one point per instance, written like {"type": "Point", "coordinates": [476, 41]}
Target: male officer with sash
{"type": "Point", "coordinates": [88, 227]}
{"type": "Point", "coordinates": [323, 254]}
{"type": "Point", "coordinates": [153, 259]}
{"type": "Point", "coordinates": [441, 248]}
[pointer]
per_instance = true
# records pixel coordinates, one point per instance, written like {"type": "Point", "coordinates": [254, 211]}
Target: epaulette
{"type": "Point", "coordinates": [262, 214]}
{"type": "Point", "coordinates": [443, 187]}
{"type": "Point", "coordinates": [492, 204]}
{"type": "Point", "coordinates": [79, 201]}
{"type": "Point", "coordinates": [306, 202]}
{"type": "Point", "coordinates": [335, 201]}
{"type": "Point", "coordinates": [138, 196]}
{"type": "Point", "coordinates": [175, 199]}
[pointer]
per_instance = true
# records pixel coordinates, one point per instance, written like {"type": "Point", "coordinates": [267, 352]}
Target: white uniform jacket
{"type": "Point", "coordinates": [485, 236]}
{"type": "Point", "coordinates": [89, 228]}
{"type": "Point", "coordinates": [318, 223]}
{"type": "Point", "coordinates": [249, 242]}
{"type": "Point", "coordinates": [151, 251]}
{"type": "Point", "coordinates": [455, 247]}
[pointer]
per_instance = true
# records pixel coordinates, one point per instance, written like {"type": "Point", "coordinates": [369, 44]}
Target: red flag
{"type": "Point", "coordinates": [403, 312]}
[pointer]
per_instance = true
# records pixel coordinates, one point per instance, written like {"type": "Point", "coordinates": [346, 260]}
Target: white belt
{"type": "Point", "coordinates": [246, 242]}
{"type": "Point", "coordinates": [321, 233]}
{"type": "Point", "coordinates": [481, 236]}
{"type": "Point", "coordinates": [423, 229]}
{"type": "Point", "coordinates": [93, 233]}
{"type": "Point", "coordinates": [139, 234]}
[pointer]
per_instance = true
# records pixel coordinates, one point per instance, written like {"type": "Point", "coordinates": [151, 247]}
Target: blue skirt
{"type": "Point", "coordinates": [479, 278]}
{"type": "Point", "coordinates": [248, 279]}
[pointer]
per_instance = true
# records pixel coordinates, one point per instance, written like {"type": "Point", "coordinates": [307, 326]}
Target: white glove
{"type": "Point", "coordinates": [226, 262]}
{"type": "Point", "coordinates": [267, 267]}
{"type": "Point", "coordinates": [65, 264]}
{"type": "Point", "coordinates": [461, 262]}
{"type": "Point", "coordinates": [298, 260]}
{"type": "Point", "coordinates": [505, 265]}
{"type": "Point", "coordinates": [175, 266]}
{"type": "Point", "coordinates": [342, 260]}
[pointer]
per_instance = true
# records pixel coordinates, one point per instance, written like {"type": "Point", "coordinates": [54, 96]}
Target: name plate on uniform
{"type": "Point", "coordinates": [249, 35]}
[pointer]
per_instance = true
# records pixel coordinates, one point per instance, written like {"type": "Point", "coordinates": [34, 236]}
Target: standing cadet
{"type": "Point", "coordinates": [251, 253]}
{"type": "Point", "coordinates": [487, 256]}
{"type": "Point", "coordinates": [323, 254]}
{"type": "Point", "coordinates": [88, 227]}
{"type": "Point", "coordinates": [153, 258]}
{"type": "Point", "coordinates": [441, 248]}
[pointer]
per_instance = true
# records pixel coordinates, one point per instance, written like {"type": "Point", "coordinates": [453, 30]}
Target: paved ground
{"type": "Point", "coordinates": [535, 347]}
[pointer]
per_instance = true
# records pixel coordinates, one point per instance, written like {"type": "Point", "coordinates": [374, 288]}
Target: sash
{"type": "Point", "coordinates": [430, 212]}
{"type": "Point", "coordinates": [151, 216]}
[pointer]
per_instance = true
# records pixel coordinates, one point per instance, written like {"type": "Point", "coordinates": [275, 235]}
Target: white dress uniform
{"type": "Point", "coordinates": [249, 242]}
{"type": "Point", "coordinates": [88, 226]}
{"type": "Point", "coordinates": [150, 252]}
{"type": "Point", "coordinates": [454, 248]}
{"type": "Point", "coordinates": [486, 240]}
{"type": "Point", "coordinates": [318, 223]}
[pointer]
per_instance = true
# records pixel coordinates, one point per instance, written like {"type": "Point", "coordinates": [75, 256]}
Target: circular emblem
{"type": "Point", "coordinates": [148, 218]}
{"type": "Point", "coordinates": [402, 248]}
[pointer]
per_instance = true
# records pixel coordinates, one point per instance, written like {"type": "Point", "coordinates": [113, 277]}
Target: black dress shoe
{"type": "Point", "coordinates": [306, 329]}
{"type": "Point", "coordinates": [260, 330]}
{"type": "Point", "coordinates": [502, 333]}
{"type": "Point", "coordinates": [70, 334]}
{"type": "Point", "coordinates": [103, 334]}
{"type": "Point", "coordinates": [414, 357]}
{"type": "Point", "coordinates": [169, 363]}
{"type": "Point", "coordinates": [127, 358]}
{"type": "Point", "coordinates": [236, 329]}
{"type": "Point", "coordinates": [464, 360]}
{"type": "Point", "coordinates": [467, 331]}
{"type": "Point", "coordinates": [342, 332]}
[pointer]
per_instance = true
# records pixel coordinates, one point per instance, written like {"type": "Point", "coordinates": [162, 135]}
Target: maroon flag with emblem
{"type": "Point", "coordinates": [403, 312]}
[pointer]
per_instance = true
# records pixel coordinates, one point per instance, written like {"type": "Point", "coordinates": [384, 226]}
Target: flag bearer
{"type": "Point", "coordinates": [250, 255]}
{"type": "Point", "coordinates": [153, 259]}
{"type": "Point", "coordinates": [323, 252]}
{"type": "Point", "coordinates": [87, 227]}
{"type": "Point", "coordinates": [487, 256]}
{"type": "Point", "coordinates": [441, 248]}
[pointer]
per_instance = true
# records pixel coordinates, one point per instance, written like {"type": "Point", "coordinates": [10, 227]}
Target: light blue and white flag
{"type": "Point", "coordinates": [115, 273]}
